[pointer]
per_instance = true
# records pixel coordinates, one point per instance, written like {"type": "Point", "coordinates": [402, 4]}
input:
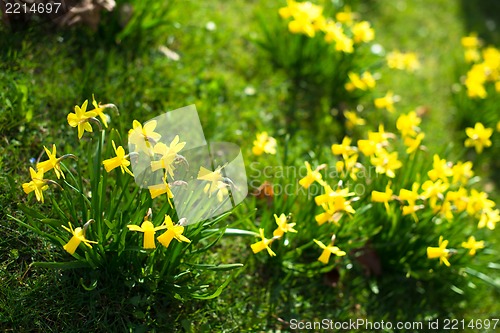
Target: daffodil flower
{"type": "Point", "coordinates": [37, 184]}
{"type": "Point", "coordinates": [413, 143]}
{"type": "Point", "coordinates": [489, 218]}
{"type": "Point", "coordinates": [78, 237]}
{"type": "Point", "coordinates": [159, 189]}
{"type": "Point", "coordinates": [263, 244]}
{"type": "Point", "coordinates": [52, 163]}
{"type": "Point", "coordinates": [353, 120]}
{"type": "Point", "coordinates": [328, 251]}
{"type": "Point", "coordinates": [386, 102]}
{"type": "Point", "coordinates": [479, 137]}
{"type": "Point", "coordinates": [384, 197]}
{"type": "Point", "coordinates": [173, 231]}
{"type": "Point", "coordinates": [168, 155]}
{"type": "Point", "coordinates": [99, 111]}
{"type": "Point", "coordinates": [149, 231]}
{"type": "Point", "coordinates": [407, 124]}
{"type": "Point", "coordinates": [81, 118]}
{"type": "Point", "coordinates": [283, 226]}
{"type": "Point", "coordinates": [441, 169]}
{"type": "Point", "coordinates": [344, 148]}
{"type": "Point", "coordinates": [386, 163]}
{"type": "Point", "coordinates": [440, 252]}
{"type": "Point", "coordinates": [473, 245]}
{"type": "Point", "coordinates": [403, 61]}
{"type": "Point", "coordinates": [264, 144]}
{"type": "Point", "coordinates": [311, 176]}
{"type": "Point", "coordinates": [119, 161]}
{"type": "Point", "coordinates": [363, 32]}
{"type": "Point", "coordinates": [144, 137]}
{"type": "Point", "coordinates": [216, 182]}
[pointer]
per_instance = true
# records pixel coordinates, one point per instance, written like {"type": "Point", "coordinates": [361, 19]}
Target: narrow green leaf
{"type": "Point", "coordinates": [31, 212]}
{"type": "Point", "coordinates": [61, 265]}
{"type": "Point", "coordinates": [219, 268]}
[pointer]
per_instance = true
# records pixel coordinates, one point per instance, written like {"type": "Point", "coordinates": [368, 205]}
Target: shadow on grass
{"type": "Point", "coordinates": [482, 17]}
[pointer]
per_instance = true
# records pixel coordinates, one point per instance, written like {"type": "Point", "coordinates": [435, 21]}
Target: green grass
{"type": "Point", "coordinates": [62, 68]}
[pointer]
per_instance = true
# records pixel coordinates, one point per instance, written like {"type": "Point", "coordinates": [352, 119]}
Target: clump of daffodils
{"type": "Point", "coordinates": [401, 188]}
{"type": "Point", "coordinates": [485, 68]}
{"type": "Point", "coordinates": [343, 31]}
{"type": "Point", "coordinates": [165, 158]}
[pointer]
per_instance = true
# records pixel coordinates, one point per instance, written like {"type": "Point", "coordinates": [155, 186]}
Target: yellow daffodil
{"type": "Point", "coordinates": [307, 18]}
{"type": "Point", "coordinates": [51, 163]}
{"type": "Point", "coordinates": [411, 196]}
{"type": "Point", "coordinates": [384, 197]}
{"type": "Point", "coordinates": [381, 137]}
{"type": "Point", "coordinates": [333, 210]}
{"type": "Point", "coordinates": [363, 32]}
{"type": "Point", "coordinates": [407, 124]}
{"type": "Point", "coordinates": [99, 111]}
{"type": "Point", "coordinates": [489, 218]}
{"type": "Point", "coordinates": [353, 120]}
{"type": "Point", "coordinates": [475, 80]}
{"type": "Point", "coordinates": [335, 33]}
{"type": "Point", "coordinates": [37, 184]}
{"type": "Point", "coordinates": [413, 144]}
{"type": "Point", "coordinates": [264, 144]}
{"type": "Point", "coordinates": [173, 231]}
{"type": "Point", "coordinates": [349, 165]}
{"type": "Point", "coordinates": [168, 155]}
{"type": "Point", "coordinates": [472, 245]}
{"type": "Point", "coordinates": [472, 55]}
{"type": "Point", "coordinates": [263, 244]}
{"type": "Point", "coordinates": [311, 176]}
{"type": "Point", "coordinates": [81, 118]}
{"type": "Point", "coordinates": [471, 41]}
{"type": "Point", "coordinates": [144, 137]}
{"type": "Point", "coordinates": [215, 182]}
{"type": "Point", "coordinates": [458, 198]}
{"type": "Point", "coordinates": [441, 169]}
{"type": "Point", "coordinates": [478, 201]}
{"type": "Point", "coordinates": [386, 163]}
{"type": "Point", "coordinates": [344, 148]}
{"type": "Point", "coordinates": [119, 161]}
{"type": "Point", "coordinates": [328, 251]}
{"type": "Point", "coordinates": [434, 191]}
{"type": "Point", "coordinates": [386, 102]}
{"type": "Point", "coordinates": [77, 238]}
{"type": "Point", "coordinates": [355, 82]}
{"type": "Point", "coordinates": [439, 252]}
{"type": "Point", "coordinates": [346, 16]}
{"type": "Point", "coordinates": [283, 226]}
{"type": "Point", "coordinates": [368, 147]}
{"type": "Point", "coordinates": [332, 195]}
{"type": "Point", "coordinates": [149, 231]}
{"type": "Point", "coordinates": [479, 137]}
{"type": "Point", "coordinates": [159, 189]}
{"type": "Point", "coordinates": [403, 61]}
{"type": "Point", "coordinates": [462, 172]}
